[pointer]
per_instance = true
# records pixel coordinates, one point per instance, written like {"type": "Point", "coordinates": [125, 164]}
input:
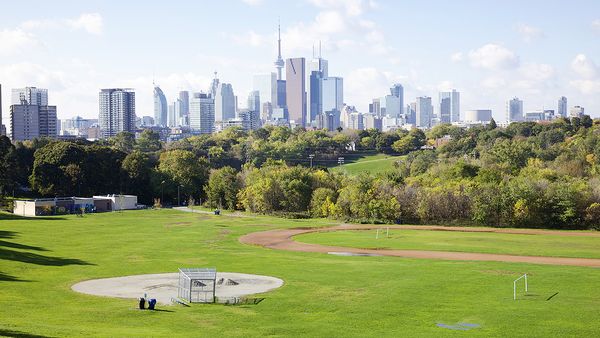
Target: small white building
{"type": "Point", "coordinates": [120, 202]}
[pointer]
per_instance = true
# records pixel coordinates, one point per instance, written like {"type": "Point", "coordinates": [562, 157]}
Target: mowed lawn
{"type": "Point", "coordinates": [323, 295]}
{"type": "Point", "coordinates": [485, 242]}
{"type": "Point", "coordinates": [372, 164]}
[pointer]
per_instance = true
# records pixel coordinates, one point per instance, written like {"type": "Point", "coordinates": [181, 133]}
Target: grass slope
{"type": "Point", "coordinates": [512, 244]}
{"type": "Point", "coordinates": [323, 295]}
{"type": "Point", "coordinates": [373, 164]}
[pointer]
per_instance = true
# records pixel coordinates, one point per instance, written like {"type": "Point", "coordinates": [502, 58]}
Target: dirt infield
{"type": "Point", "coordinates": [282, 240]}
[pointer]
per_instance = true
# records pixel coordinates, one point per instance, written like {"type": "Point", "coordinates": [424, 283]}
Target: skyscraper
{"type": "Point", "coordinates": [202, 113]}
{"type": "Point", "coordinates": [266, 85]}
{"type": "Point", "coordinates": [449, 106]}
{"type": "Point", "coordinates": [514, 110]}
{"type": "Point", "coordinates": [224, 102]}
{"type": "Point", "coordinates": [30, 95]}
{"type": "Point", "coordinates": [316, 70]}
{"type": "Point", "coordinates": [423, 112]}
{"type": "Point", "coordinates": [390, 105]}
{"type": "Point", "coordinates": [333, 93]}
{"type": "Point", "coordinates": [254, 101]}
{"type": "Point", "coordinates": [398, 91]}
{"type": "Point", "coordinates": [295, 89]}
{"type": "Point", "coordinates": [117, 111]}
{"type": "Point", "coordinates": [562, 106]}
{"type": "Point", "coordinates": [160, 107]}
{"type": "Point", "coordinates": [184, 108]}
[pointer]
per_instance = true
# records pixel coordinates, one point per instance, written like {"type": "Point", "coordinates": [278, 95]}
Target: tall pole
{"type": "Point", "coordinates": [178, 201]}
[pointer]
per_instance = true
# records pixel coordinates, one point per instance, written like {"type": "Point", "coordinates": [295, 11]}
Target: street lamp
{"type": "Point", "coordinates": [311, 156]}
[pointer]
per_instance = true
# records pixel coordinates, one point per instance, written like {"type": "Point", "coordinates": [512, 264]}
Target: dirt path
{"type": "Point", "coordinates": [282, 240]}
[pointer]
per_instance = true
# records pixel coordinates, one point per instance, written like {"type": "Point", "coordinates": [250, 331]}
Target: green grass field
{"type": "Point", "coordinates": [323, 295]}
{"type": "Point", "coordinates": [485, 242]}
{"type": "Point", "coordinates": [373, 164]}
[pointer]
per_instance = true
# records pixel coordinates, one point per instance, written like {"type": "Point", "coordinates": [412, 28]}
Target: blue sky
{"type": "Point", "coordinates": [488, 50]}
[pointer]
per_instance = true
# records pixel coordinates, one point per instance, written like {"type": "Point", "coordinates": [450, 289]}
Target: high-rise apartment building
{"type": "Point", "coordinates": [514, 110]}
{"type": "Point", "coordinates": [202, 113]}
{"type": "Point", "coordinates": [423, 112]}
{"type": "Point", "coordinates": [117, 111]}
{"type": "Point", "coordinates": [449, 106]}
{"type": "Point", "coordinates": [184, 108]}
{"type": "Point", "coordinates": [30, 95]}
{"type": "Point", "coordinates": [2, 127]}
{"type": "Point", "coordinates": [161, 108]}
{"type": "Point", "coordinates": [577, 111]}
{"type": "Point", "coordinates": [562, 107]}
{"type": "Point", "coordinates": [29, 121]}
{"type": "Point", "coordinates": [224, 102]}
{"type": "Point", "coordinates": [295, 89]}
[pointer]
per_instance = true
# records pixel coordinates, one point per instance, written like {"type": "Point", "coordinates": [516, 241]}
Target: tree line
{"type": "Point", "coordinates": [525, 175]}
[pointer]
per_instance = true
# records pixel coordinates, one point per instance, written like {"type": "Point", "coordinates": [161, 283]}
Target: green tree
{"type": "Point", "coordinates": [149, 141]}
{"type": "Point", "coordinates": [185, 171]}
{"type": "Point", "coordinates": [123, 141]}
{"type": "Point", "coordinates": [223, 188]}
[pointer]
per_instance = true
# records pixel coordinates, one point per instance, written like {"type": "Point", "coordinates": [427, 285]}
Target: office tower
{"type": "Point", "coordinates": [423, 112]}
{"type": "Point", "coordinates": [160, 107]}
{"type": "Point", "coordinates": [267, 111]}
{"type": "Point", "coordinates": [315, 95]}
{"type": "Point", "coordinates": [449, 106]}
{"type": "Point", "coordinates": [184, 107]}
{"type": "Point", "coordinates": [2, 127]}
{"type": "Point", "coordinates": [224, 102]}
{"type": "Point", "coordinates": [333, 93]}
{"type": "Point", "coordinates": [117, 111]}
{"type": "Point", "coordinates": [202, 113]}
{"type": "Point", "coordinates": [254, 101]}
{"type": "Point", "coordinates": [279, 62]}
{"type": "Point", "coordinates": [514, 110]}
{"type": "Point", "coordinates": [316, 69]}
{"type": "Point", "coordinates": [250, 119]}
{"type": "Point", "coordinates": [577, 111]}
{"type": "Point", "coordinates": [266, 85]}
{"type": "Point", "coordinates": [29, 121]}
{"type": "Point", "coordinates": [562, 106]}
{"type": "Point", "coordinates": [281, 94]}
{"type": "Point", "coordinates": [295, 90]}
{"type": "Point", "coordinates": [172, 112]}
{"type": "Point", "coordinates": [30, 95]}
{"type": "Point", "coordinates": [398, 91]}
{"type": "Point", "coordinates": [390, 105]}
{"type": "Point", "coordinates": [411, 113]}
{"type": "Point", "coordinates": [376, 107]}
{"type": "Point", "coordinates": [214, 86]}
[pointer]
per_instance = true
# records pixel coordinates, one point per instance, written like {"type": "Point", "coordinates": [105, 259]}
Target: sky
{"type": "Point", "coordinates": [489, 50]}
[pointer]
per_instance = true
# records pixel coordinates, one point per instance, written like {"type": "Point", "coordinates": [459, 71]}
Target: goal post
{"type": "Point", "coordinates": [524, 277]}
{"type": "Point", "coordinates": [383, 231]}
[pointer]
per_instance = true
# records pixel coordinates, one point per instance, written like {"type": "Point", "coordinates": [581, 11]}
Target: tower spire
{"type": "Point", "coordinates": [279, 62]}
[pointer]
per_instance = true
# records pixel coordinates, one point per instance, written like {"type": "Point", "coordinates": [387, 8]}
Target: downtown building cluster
{"type": "Point", "coordinates": [307, 97]}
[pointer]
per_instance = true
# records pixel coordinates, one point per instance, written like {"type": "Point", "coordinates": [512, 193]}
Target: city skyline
{"type": "Point", "coordinates": [516, 53]}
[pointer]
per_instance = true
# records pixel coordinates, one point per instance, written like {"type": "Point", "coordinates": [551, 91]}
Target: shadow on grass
{"type": "Point", "coordinates": [7, 234]}
{"type": "Point", "coordinates": [18, 334]}
{"type": "Point", "coordinates": [33, 258]}
{"type": "Point", "coordinates": [8, 278]}
{"type": "Point", "coordinates": [20, 246]}
{"type": "Point", "coordinates": [5, 216]}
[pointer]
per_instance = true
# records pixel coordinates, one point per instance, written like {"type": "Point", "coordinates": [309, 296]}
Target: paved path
{"type": "Point", "coordinates": [282, 240]}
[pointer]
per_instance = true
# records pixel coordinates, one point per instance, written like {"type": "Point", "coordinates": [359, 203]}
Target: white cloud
{"type": "Point", "coordinates": [537, 71]}
{"type": "Point", "coordinates": [457, 57]}
{"type": "Point", "coordinates": [493, 57]}
{"type": "Point", "coordinates": [584, 67]}
{"type": "Point", "coordinates": [529, 33]}
{"type": "Point", "coordinates": [596, 25]}
{"type": "Point", "coordinates": [15, 41]}
{"type": "Point", "coordinates": [586, 86]}
{"type": "Point", "coordinates": [493, 82]}
{"type": "Point", "coordinates": [250, 38]}
{"type": "Point", "coordinates": [253, 2]}
{"type": "Point", "coordinates": [90, 22]}
{"type": "Point", "coordinates": [350, 7]}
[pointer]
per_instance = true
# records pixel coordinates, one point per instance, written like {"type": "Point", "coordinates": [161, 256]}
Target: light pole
{"type": "Point", "coordinates": [162, 192]}
{"type": "Point", "coordinates": [178, 200]}
{"type": "Point", "coordinates": [311, 156]}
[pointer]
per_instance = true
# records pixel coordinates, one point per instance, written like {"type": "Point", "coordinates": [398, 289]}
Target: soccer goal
{"type": "Point", "coordinates": [524, 277]}
{"type": "Point", "coordinates": [381, 232]}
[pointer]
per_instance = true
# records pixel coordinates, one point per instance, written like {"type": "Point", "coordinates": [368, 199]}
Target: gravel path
{"type": "Point", "coordinates": [282, 240]}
